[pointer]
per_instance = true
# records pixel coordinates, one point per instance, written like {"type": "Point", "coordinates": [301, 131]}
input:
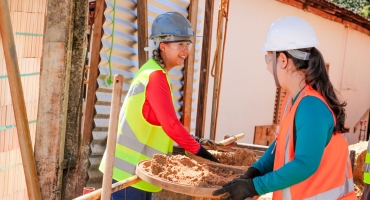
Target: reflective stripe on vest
{"type": "Point", "coordinates": [129, 140]}
{"type": "Point", "coordinates": [136, 89]}
{"type": "Point", "coordinates": [334, 193]}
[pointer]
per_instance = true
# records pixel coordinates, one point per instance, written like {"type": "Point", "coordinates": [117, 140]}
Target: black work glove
{"type": "Point", "coordinates": [240, 189]}
{"type": "Point", "coordinates": [205, 154]}
{"type": "Point", "coordinates": [249, 174]}
{"type": "Point", "coordinates": [204, 141]}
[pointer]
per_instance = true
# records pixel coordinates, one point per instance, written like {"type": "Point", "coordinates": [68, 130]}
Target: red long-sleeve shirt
{"type": "Point", "coordinates": [158, 110]}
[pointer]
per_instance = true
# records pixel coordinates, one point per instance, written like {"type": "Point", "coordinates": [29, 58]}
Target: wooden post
{"type": "Point", "coordinates": [90, 97]}
{"type": "Point", "coordinates": [216, 84]}
{"type": "Point", "coordinates": [352, 156]}
{"type": "Point", "coordinates": [112, 136]}
{"type": "Point", "coordinates": [142, 29]}
{"type": "Point", "coordinates": [189, 69]}
{"type": "Point", "coordinates": [19, 105]}
{"type": "Point", "coordinates": [204, 69]}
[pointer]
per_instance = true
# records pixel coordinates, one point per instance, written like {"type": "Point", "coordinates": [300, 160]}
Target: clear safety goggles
{"type": "Point", "coordinates": [293, 52]}
{"type": "Point", "coordinates": [181, 46]}
{"type": "Point", "coordinates": [268, 57]}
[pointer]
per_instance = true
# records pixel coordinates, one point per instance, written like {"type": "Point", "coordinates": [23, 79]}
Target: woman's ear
{"type": "Point", "coordinates": [162, 46]}
{"type": "Point", "coordinates": [283, 60]}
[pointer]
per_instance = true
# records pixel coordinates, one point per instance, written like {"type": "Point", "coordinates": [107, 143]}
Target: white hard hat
{"type": "Point", "coordinates": [290, 33]}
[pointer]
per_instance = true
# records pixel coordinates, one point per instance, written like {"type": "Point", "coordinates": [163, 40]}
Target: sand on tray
{"type": "Point", "coordinates": [183, 170]}
{"type": "Point", "coordinates": [241, 157]}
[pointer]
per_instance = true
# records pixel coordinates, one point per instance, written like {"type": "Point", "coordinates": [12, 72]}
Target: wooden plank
{"type": "Point", "coordinates": [204, 69]}
{"type": "Point", "coordinates": [189, 69]}
{"type": "Point", "coordinates": [264, 135]}
{"type": "Point", "coordinates": [90, 98]}
{"type": "Point", "coordinates": [112, 136]}
{"type": "Point", "coordinates": [18, 101]}
{"type": "Point", "coordinates": [142, 29]}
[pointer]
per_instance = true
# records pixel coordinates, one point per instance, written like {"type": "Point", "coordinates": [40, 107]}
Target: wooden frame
{"type": "Point", "coordinates": [204, 68]}
{"type": "Point", "coordinates": [142, 28]}
{"type": "Point", "coordinates": [83, 163]}
{"type": "Point", "coordinates": [189, 69]}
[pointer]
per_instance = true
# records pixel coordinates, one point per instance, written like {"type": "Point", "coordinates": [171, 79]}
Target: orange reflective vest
{"type": "Point", "coordinates": [333, 179]}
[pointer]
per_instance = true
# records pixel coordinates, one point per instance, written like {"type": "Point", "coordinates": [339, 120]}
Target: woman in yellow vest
{"type": "Point", "coordinates": [148, 123]}
{"type": "Point", "coordinates": [309, 158]}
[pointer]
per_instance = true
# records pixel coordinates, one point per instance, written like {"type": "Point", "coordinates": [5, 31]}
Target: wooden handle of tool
{"type": "Point", "coordinates": [231, 139]}
{"type": "Point", "coordinates": [115, 187]}
{"type": "Point", "coordinates": [112, 136]}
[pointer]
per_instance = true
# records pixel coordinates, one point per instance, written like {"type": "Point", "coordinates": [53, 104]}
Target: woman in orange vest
{"type": "Point", "coordinates": [309, 158]}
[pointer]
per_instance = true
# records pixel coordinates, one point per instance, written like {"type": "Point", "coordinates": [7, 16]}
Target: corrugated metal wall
{"type": "Point", "coordinates": [28, 26]}
{"type": "Point", "coordinates": [123, 56]}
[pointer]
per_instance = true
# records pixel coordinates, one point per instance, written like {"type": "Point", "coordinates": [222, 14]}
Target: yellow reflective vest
{"type": "Point", "coordinates": [137, 139]}
{"type": "Point", "coordinates": [367, 165]}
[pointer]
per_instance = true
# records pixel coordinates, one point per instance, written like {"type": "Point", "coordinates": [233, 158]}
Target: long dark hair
{"type": "Point", "coordinates": [318, 78]}
{"type": "Point", "coordinates": [157, 56]}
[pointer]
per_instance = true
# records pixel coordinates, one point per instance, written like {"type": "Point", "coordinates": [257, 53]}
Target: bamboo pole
{"type": "Point", "coordinates": [112, 136]}
{"type": "Point", "coordinates": [16, 91]}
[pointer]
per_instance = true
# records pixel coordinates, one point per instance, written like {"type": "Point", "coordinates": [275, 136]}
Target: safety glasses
{"type": "Point", "coordinates": [181, 46]}
{"type": "Point", "coordinates": [268, 57]}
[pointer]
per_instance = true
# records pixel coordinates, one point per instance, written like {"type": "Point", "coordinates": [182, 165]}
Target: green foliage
{"type": "Point", "coordinates": [365, 11]}
{"type": "Point", "coordinates": [353, 5]}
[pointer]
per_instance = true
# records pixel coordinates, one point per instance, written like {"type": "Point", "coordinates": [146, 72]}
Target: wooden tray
{"type": "Point", "coordinates": [204, 192]}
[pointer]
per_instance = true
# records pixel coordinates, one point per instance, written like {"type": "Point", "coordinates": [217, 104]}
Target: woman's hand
{"type": "Point", "coordinates": [240, 189]}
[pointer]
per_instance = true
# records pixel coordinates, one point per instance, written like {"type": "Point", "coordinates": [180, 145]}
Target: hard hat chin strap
{"type": "Point", "coordinates": [274, 69]}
